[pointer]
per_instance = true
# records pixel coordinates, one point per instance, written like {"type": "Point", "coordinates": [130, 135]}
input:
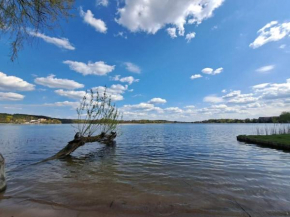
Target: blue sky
{"type": "Point", "coordinates": [176, 60]}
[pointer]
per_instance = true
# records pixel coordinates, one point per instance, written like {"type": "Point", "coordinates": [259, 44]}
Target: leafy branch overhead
{"type": "Point", "coordinates": [18, 17]}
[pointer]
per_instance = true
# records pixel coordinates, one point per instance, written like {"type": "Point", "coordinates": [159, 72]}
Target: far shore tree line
{"type": "Point", "coordinates": [23, 118]}
{"type": "Point", "coordinates": [283, 118]}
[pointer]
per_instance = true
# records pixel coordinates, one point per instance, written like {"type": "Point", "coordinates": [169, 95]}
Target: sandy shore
{"type": "Point", "coordinates": [26, 208]}
{"type": "Point", "coordinates": [23, 208]}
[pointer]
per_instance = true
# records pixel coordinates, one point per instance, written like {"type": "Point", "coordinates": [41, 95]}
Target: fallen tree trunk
{"type": "Point", "coordinates": [78, 142]}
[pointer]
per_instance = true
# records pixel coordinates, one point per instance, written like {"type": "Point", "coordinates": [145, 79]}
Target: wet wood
{"type": "Point", "coordinates": [106, 139]}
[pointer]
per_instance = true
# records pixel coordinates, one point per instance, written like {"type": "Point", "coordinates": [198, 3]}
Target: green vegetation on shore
{"type": "Point", "coordinates": [273, 141]}
{"type": "Point", "coordinates": [39, 119]}
{"type": "Point", "coordinates": [22, 119]}
{"type": "Point", "coordinates": [276, 136]}
{"type": "Point", "coordinates": [283, 118]}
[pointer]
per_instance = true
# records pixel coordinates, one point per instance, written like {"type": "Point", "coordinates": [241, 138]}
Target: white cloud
{"type": "Point", "coordinates": [145, 106]}
{"type": "Point", "coordinates": [220, 106]}
{"type": "Point", "coordinates": [237, 97]}
{"type": "Point", "coordinates": [220, 109]}
{"type": "Point", "coordinates": [97, 68]}
{"type": "Point", "coordinates": [52, 82]}
{"type": "Point", "coordinates": [71, 94]}
{"type": "Point", "coordinates": [210, 71]}
{"type": "Point", "coordinates": [243, 99]}
{"type": "Point", "coordinates": [150, 15]}
{"type": "Point", "coordinates": [282, 46]}
{"type": "Point", "coordinates": [134, 115]}
{"type": "Point", "coordinates": [59, 42]}
{"type": "Point", "coordinates": [116, 97]}
{"type": "Point", "coordinates": [98, 24]}
{"type": "Point", "coordinates": [195, 76]}
{"type": "Point", "coordinates": [12, 108]}
{"type": "Point", "coordinates": [224, 91]}
{"type": "Point", "coordinates": [218, 71]}
{"type": "Point", "coordinates": [214, 28]}
{"type": "Point", "coordinates": [104, 3]}
{"type": "Point", "coordinates": [13, 83]}
{"type": "Point", "coordinates": [137, 95]}
{"type": "Point", "coordinates": [254, 105]}
{"type": "Point", "coordinates": [190, 36]}
{"type": "Point", "coordinates": [174, 110]}
{"type": "Point", "coordinates": [266, 68]}
{"type": "Point", "coordinates": [132, 67]}
{"type": "Point", "coordinates": [272, 31]}
{"type": "Point", "coordinates": [115, 78]}
{"type": "Point", "coordinates": [121, 34]}
{"type": "Point", "coordinates": [172, 32]}
{"type": "Point", "coordinates": [260, 86]}
{"type": "Point", "coordinates": [274, 91]}
{"type": "Point", "coordinates": [267, 99]}
{"type": "Point", "coordinates": [213, 99]}
{"type": "Point", "coordinates": [10, 96]}
{"type": "Point", "coordinates": [232, 94]}
{"type": "Point", "coordinates": [64, 104]}
{"type": "Point", "coordinates": [142, 107]}
{"type": "Point", "coordinates": [115, 91]}
{"type": "Point", "coordinates": [190, 107]}
{"type": "Point", "coordinates": [157, 101]}
{"type": "Point", "coordinates": [129, 79]}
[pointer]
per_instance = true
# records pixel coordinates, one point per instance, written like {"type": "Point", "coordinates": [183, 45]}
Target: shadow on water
{"type": "Point", "coordinates": [264, 147]}
{"type": "Point", "coordinates": [107, 150]}
{"type": "Point", "coordinates": [71, 166]}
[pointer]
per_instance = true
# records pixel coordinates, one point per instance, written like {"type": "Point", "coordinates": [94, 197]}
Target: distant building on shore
{"type": "Point", "coordinates": [39, 121]}
{"type": "Point", "coordinates": [267, 119]}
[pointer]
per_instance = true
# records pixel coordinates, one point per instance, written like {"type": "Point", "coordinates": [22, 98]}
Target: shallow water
{"type": "Point", "coordinates": [153, 170]}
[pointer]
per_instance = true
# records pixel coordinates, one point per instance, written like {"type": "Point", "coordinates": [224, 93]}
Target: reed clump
{"type": "Point", "coordinates": [276, 129]}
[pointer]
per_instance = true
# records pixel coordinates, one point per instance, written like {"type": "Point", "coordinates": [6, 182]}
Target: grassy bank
{"type": "Point", "coordinates": [272, 141]}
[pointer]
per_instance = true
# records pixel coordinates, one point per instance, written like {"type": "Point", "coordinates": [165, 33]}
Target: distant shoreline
{"type": "Point", "coordinates": [25, 119]}
{"type": "Point", "coordinates": [138, 123]}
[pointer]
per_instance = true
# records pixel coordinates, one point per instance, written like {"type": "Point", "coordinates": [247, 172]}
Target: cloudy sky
{"type": "Point", "coordinates": [160, 59]}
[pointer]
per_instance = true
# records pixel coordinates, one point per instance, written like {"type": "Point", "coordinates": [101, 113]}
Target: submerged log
{"type": "Point", "coordinates": [2, 174]}
{"type": "Point", "coordinates": [80, 141]}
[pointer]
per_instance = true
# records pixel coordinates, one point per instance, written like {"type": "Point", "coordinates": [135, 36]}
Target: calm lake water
{"type": "Point", "coordinates": [154, 170]}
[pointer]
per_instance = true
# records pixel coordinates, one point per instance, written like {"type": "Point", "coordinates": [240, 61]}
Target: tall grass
{"type": "Point", "coordinates": [277, 129]}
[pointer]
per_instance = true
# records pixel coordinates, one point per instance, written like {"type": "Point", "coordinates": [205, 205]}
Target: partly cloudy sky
{"type": "Point", "coordinates": [159, 59]}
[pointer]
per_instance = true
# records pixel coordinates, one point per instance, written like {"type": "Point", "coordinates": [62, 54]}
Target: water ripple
{"type": "Point", "coordinates": [167, 169]}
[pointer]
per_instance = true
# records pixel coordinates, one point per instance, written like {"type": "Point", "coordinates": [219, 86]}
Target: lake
{"type": "Point", "coordinates": [153, 170]}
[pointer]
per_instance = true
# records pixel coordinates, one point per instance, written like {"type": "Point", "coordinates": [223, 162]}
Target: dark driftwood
{"type": "Point", "coordinates": [78, 142]}
{"type": "Point", "coordinates": [268, 144]}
